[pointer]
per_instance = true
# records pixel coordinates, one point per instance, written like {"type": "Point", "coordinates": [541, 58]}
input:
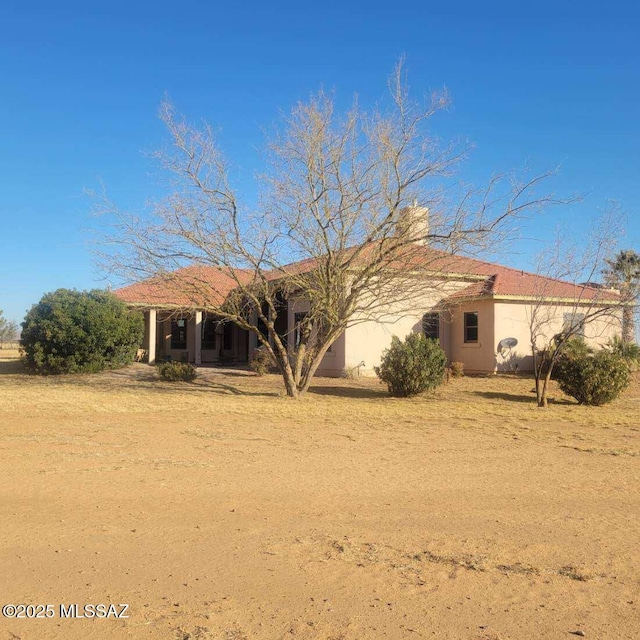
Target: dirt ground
{"type": "Point", "coordinates": [222, 510]}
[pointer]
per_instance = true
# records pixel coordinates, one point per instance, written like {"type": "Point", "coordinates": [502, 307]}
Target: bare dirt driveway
{"type": "Point", "coordinates": [221, 510]}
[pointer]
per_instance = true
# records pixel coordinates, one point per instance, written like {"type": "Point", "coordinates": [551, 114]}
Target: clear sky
{"type": "Point", "coordinates": [548, 83]}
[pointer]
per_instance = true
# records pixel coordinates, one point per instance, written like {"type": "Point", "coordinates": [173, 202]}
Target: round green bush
{"type": "Point", "coordinates": [413, 366]}
{"type": "Point", "coordinates": [72, 331]}
{"type": "Point", "coordinates": [177, 371]}
{"type": "Point", "coordinates": [593, 379]}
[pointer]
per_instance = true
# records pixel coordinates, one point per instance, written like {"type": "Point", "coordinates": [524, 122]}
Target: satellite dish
{"type": "Point", "coordinates": [507, 343]}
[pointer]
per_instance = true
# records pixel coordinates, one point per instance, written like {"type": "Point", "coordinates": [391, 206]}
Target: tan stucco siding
{"type": "Point", "coordinates": [364, 343]}
{"type": "Point", "coordinates": [514, 319]}
{"type": "Point", "coordinates": [477, 356]}
{"type": "Point", "coordinates": [366, 340]}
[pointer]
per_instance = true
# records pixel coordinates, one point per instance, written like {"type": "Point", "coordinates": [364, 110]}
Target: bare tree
{"type": "Point", "coordinates": [8, 329]}
{"type": "Point", "coordinates": [568, 301]}
{"type": "Point", "coordinates": [337, 225]}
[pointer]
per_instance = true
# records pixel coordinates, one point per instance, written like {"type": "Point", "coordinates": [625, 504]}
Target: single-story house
{"type": "Point", "coordinates": [480, 312]}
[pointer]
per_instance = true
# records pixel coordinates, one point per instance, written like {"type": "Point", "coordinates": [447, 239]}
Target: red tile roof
{"type": "Point", "coordinates": [195, 286]}
{"type": "Point", "coordinates": [200, 286]}
{"type": "Point", "coordinates": [513, 283]}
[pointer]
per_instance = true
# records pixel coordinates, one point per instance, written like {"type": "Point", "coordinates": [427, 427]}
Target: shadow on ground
{"type": "Point", "coordinates": [349, 392]}
{"type": "Point", "coordinates": [513, 397]}
{"type": "Point", "coordinates": [11, 367]}
{"type": "Point", "coordinates": [136, 378]}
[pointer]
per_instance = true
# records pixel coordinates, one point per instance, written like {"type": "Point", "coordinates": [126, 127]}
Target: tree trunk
{"type": "Point", "coordinates": [290, 387]}
{"type": "Point", "coordinates": [628, 329]}
{"type": "Point", "coordinates": [288, 377]}
{"type": "Point", "coordinates": [305, 381]}
{"type": "Point", "coordinates": [281, 357]}
{"type": "Point", "coordinates": [542, 393]}
{"type": "Point", "coordinates": [307, 376]}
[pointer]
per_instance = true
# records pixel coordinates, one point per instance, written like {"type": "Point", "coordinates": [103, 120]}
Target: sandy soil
{"type": "Point", "coordinates": [222, 510]}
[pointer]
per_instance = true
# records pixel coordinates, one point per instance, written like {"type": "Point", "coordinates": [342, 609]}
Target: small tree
{"type": "Point", "coordinates": [77, 331]}
{"type": "Point", "coordinates": [566, 299]}
{"type": "Point", "coordinates": [8, 329]}
{"type": "Point", "coordinates": [412, 366]}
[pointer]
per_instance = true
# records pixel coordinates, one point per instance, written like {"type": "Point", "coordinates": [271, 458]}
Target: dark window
{"type": "Point", "coordinates": [471, 326]}
{"type": "Point", "coordinates": [209, 327]}
{"type": "Point", "coordinates": [301, 325]}
{"type": "Point", "coordinates": [227, 336]}
{"type": "Point", "coordinates": [281, 320]}
{"type": "Point", "coordinates": [262, 326]}
{"type": "Point", "coordinates": [431, 325]}
{"type": "Point", "coordinates": [574, 323]}
{"type": "Point", "coordinates": [179, 333]}
{"type": "Point", "coordinates": [299, 321]}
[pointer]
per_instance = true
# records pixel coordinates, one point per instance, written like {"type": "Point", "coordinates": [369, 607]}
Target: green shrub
{"type": "Point", "coordinates": [79, 332]}
{"type": "Point", "coordinates": [575, 347]}
{"type": "Point", "coordinates": [457, 369]}
{"type": "Point", "coordinates": [261, 361]}
{"type": "Point", "coordinates": [412, 366]}
{"type": "Point", "coordinates": [629, 351]}
{"type": "Point", "coordinates": [177, 371]}
{"type": "Point", "coordinates": [593, 379]}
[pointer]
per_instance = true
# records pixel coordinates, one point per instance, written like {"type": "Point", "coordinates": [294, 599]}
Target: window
{"type": "Point", "coordinates": [209, 327]}
{"type": "Point", "coordinates": [299, 321]}
{"type": "Point", "coordinates": [281, 319]}
{"type": "Point", "coordinates": [262, 326]}
{"type": "Point", "coordinates": [471, 326]}
{"type": "Point", "coordinates": [431, 325]}
{"type": "Point", "coordinates": [227, 337]}
{"type": "Point", "coordinates": [302, 324]}
{"type": "Point", "coordinates": [574, 323]}
{"type": "Point", "coordinates": [179, 334]}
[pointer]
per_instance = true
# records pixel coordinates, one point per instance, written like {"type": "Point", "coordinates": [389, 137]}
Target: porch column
{"type": "Point", "coordinates": [198, 336]}
{"type": "Point", "coordinates": [151, 347]}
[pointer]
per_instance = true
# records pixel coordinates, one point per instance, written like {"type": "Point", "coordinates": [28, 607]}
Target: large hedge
{"type": "Point", "coordinates": [593, 378]}
{"type": "Point", "coordinates": [412, 366]}
{"type": "Point", "coordinates": [80, 331]}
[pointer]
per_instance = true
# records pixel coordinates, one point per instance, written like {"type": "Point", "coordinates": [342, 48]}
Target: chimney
{"type": "Point", "coordinates": [413, 223]}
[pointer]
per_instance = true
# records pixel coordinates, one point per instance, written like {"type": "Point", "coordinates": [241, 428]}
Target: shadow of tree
{"type": "Point", "coordinates": [232, 373]}
{"type": "Point", "coordinates": [11, 367]}
{"type": "Point", "coordinates": [150, 382]}
{"type": "Point", "coordinates": [349, 392]}
{"type": "Point", "coordinates": [226, 389]}
{"type": "Point", "coordinates": [137, 379]}
{"type": "Point", "coordinates": [513, 397]}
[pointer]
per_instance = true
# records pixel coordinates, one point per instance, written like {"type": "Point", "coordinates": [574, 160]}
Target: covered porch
{"type": "Point", "coordinates": [194, 336]}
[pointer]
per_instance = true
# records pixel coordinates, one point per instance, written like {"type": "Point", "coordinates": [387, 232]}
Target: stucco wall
{"type": "Point", "coordinates": [365, 341]}
{"type": "Point", "coordinates": [477, 356]}
{"type": "Point", "coordinates": [513, 320]}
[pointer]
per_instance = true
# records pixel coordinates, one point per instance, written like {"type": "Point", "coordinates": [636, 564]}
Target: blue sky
{"type": "Point", "coordinates": [544, 83]}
